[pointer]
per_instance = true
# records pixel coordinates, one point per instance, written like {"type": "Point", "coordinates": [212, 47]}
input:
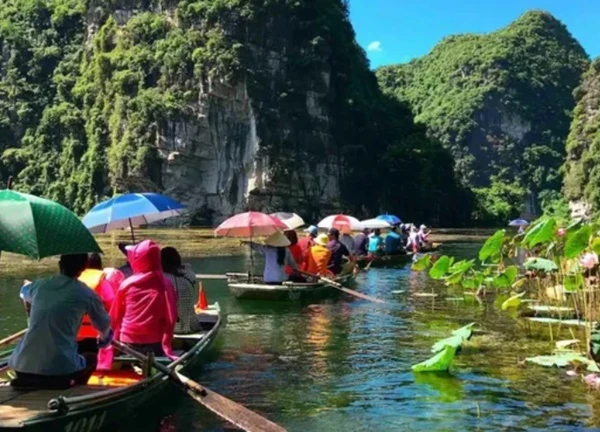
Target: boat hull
{"type": "Point", "coordinates": [146, 402]}
{"type": "Point", "coordinates": [286, 292]}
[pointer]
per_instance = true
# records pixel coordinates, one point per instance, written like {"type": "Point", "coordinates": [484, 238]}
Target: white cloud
{"type": "Point", "coordinates": [374, 46]}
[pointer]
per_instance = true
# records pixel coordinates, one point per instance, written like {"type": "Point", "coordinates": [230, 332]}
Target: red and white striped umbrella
{"type": "Point", "coordinates": [292, 220]}
{"type": "Point", "coordinates": [342, 222]}
{"type": "Point", "coordinates": [250, 224]}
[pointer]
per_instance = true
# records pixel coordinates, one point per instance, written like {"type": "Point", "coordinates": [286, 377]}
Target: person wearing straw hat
{"type": "Point", "coordinates": [319, 256]}
{"type": "Point", "coordinates": [277, 256]}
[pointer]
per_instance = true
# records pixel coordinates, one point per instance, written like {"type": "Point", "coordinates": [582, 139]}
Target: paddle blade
{"type": "Point", "coordinates": [231, 411]}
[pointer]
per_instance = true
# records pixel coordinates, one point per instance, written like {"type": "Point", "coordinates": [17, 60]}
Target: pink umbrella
{"type": "Point", "coordinates": [250, 224]}
{"type": "Point", "coordinates": [342, 222]}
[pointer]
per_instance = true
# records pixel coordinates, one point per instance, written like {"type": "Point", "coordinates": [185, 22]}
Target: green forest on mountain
{"type": "Point", "coordinates": [463, 135]}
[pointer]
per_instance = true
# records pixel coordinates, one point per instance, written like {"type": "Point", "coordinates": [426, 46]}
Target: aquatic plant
{"type": "Point", "coordinates": [551, 263]}
{"type": "Point", "coordinates": [445, 350]}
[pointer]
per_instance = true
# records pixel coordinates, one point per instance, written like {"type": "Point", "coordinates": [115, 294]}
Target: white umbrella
{"type": "Point", "coordinates": [375, 224]}
{"type": "Point", "coordinates": [292, 220]}
{"type": "Point", "coordinates": [341, 222]}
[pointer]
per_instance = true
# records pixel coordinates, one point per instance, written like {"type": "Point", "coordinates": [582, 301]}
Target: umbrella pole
{"type": "Point", "coordinates": [131, 229]}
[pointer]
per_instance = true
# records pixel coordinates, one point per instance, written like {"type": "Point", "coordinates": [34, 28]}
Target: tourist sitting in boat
{"type": "Point", "coordinates": [277, 256]}
{"type": "Point", "coordinates": [298, 256]}
{"type": "Point", "coordinates": [423, 235]}
{"type": "Point", "coordinates": [413, 242]}
{"type": "Point", "coordinates": [308, 241]}
{"type": "Point", "coordinates": [96, 279]}
{"type": "Point", "coordinates": [183, 279]}
{"type": "Point", "coordinates": [47, 356]}
{"type": "Point", "coordinates": [317, 262]}
{"type": "Point", "coordinates": [144, 311]}
{"type": "Point", "coordinates": [361, 243]}
{"type": "Point", "coordinates": [393, 242]}
{"type": "Point", "coordinates": [376, 243]}
{"type": "Point", "coordinates": [347, 240]}
{"type": "Point", "coordinates": [338, 252]}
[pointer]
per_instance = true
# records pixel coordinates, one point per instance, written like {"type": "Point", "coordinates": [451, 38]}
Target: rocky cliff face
{"type": "Point", "coordinates": [499, 101]}
{"type": "Point", "coordinates": [222, 104]}
{"type": "Point", "coordinates": [215, 161]}
{"type": "Point", "coordinates": [582, 175]}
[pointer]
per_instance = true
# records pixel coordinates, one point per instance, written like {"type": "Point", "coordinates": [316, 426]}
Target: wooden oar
{"type": "Point", "coordinates": [211, 276]}
{"type": "Point", "coordinates": [368, 266]}
{"type": "Point", "coordinates": [8, 340]}
{"type": "Point", "coordinates": [231, 411]}
{"type": "Point", "coordinates": [339, 286]}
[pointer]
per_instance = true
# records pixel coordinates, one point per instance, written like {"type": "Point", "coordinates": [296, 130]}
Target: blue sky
{"type": "Point", "coordinates": [395, 31]}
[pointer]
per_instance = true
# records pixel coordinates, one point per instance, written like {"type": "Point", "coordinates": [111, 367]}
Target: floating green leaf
{"type": "Point", "coordinates": [564, 359]}
{"type": "Point", "coordinates": [541, 232]}
{"type": "Point", "coordinates": [440, 268]}
{"type": "Point", "coordinates": [422, 263]}
{"type": "Point", "coordinates": [454, 278]}
{"type": "Point", "coordinates": [458, 337]}
{"type": "Point", "coordinates": [461, 266]}
{"type": "Point", "coordinates": [578, 241]}
{"type": "Point", "coordinates": [464, 332]}
{"type": "Point", "coordinates": [492, 246]}
{"type": "Point", "coordinates": [438, 363]}
{"type": "Point", "coordinates": [512, 302]}
{"type": "Point", "coordinates": [501, 281]}
{"type": "Point", "coordinates": [540, 264]}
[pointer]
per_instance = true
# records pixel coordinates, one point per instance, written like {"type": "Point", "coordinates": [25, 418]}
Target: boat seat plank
{"type": "Point", "coordinates": [17, 406]}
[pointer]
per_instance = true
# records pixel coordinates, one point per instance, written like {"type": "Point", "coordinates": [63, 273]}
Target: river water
{"type": "Point", "coordinates": [344, 364]}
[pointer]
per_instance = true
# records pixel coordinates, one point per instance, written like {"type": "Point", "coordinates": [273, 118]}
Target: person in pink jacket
{"type": "Point", "coordinates": [144, 311]}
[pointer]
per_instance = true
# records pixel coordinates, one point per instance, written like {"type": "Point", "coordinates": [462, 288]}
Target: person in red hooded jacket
{"type": "Point", "coordinates": [144, 311]}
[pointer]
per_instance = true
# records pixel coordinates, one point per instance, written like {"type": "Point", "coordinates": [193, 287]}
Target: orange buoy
{"type": "Point", "coordinates": [202, 302]}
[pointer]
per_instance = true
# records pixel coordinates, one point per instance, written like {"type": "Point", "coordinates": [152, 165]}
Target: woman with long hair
{"type": "Point", "coordinates": [183, 279]}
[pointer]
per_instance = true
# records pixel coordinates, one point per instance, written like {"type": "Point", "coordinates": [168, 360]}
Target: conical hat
{"type": "Point", "coordinates": [277, 239]}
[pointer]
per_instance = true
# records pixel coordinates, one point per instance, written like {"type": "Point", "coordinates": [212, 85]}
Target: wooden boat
{"type": "Point", "coordinates": [242, 286]}
{"type": "Point", "coordinates": [111, 399]}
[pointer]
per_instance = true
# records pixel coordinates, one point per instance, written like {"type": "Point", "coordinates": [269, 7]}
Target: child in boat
{"type": "Point", "coordinates": [144, 311]}
{"type": "Point", "coordinates": [183, 279]}
{"type": "Point", "coordinates": [47, 356]}
{"type": "Point", "coordinates": [277, 256]}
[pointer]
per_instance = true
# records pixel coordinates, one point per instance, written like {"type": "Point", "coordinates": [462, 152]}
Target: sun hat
{"type": "Point", "coordinates": [277, 239]}
{"type": "Point", "coordinates": [313, 230]}
{"type": "Point", "coordinates": [422, 227]}
{"type": "Point", "coordinates": [322, 239]}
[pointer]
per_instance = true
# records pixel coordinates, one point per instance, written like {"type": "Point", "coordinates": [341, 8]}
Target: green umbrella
{"type": "Point", "coordinates": [40, 228]}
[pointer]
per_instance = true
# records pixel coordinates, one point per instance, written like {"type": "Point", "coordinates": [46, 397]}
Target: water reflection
{"type": "Point", "coordinates": [344, 365]}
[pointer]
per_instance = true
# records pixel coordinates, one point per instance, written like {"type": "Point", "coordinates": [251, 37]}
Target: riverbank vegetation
{"type": "Point", "coordinates": [548, 275]}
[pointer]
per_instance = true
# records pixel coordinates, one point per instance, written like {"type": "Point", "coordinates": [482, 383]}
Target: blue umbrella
{"type": "Point", "coordinates": [518, 223]}
{"type": "Point", "coordinates": [129, 210]}
{"type": "Point", "coordinates": [391, 219]}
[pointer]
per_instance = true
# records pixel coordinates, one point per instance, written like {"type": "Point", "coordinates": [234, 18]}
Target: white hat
{"type": "Point", "coordinates": [423, 227]}
{"type": "Point", "coordinates": [277, 239]}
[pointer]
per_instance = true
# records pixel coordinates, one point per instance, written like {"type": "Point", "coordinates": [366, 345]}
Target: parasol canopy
{"type": "Point", "coordinates": [375, 224]}
{"type": "Point", "coordinates": [342, 222]}
{"type": "Point", "coordinates": [518, 223]}
{"type": "Point", "coordinates": [390, 219]}
{"type": "Point", "coordinates": [292, 220]}
{"type": "Point", "coordinates": [130, 210]}
{"type": "Point", "coordinates": [39, 228]}
{"type": "Point", "coordinates": [250, 224]}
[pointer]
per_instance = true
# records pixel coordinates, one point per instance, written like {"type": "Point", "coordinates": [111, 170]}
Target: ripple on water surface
{"type": "Point", "coordinates": [344, 365]}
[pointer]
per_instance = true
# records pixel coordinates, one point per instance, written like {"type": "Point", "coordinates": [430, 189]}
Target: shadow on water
{"type": "Point", "coordinates": [344, 365]}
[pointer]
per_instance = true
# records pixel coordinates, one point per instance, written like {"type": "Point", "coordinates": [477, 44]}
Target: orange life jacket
{"type": "Point", "coordinates": [92, 278]}
{"type": "Point", "coordinates": [318, 260]}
